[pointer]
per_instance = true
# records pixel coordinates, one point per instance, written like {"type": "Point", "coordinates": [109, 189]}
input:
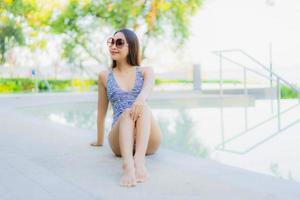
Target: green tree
{"type": "Point", "coordinates": [19, 15]}
{"type": "Point", "coordinates": [80, 19]}
{"type": "Point", "coordinates": [11, 35]}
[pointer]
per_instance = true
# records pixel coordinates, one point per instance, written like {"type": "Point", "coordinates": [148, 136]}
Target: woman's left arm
{"type": "Point", "coordinates": [145, 92]}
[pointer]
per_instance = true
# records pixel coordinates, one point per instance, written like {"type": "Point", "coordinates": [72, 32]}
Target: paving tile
{"type": "Point", "coordinates": [41, 160]}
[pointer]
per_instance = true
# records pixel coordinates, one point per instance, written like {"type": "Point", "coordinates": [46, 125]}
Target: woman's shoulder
{"type": "Point", "coordinates": [103, 75]}
{"type": "Point", "coordinates": [146, 69]}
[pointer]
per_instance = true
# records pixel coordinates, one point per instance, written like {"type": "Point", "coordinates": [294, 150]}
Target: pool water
{"type": "Point", "coordinates": [197, 131]}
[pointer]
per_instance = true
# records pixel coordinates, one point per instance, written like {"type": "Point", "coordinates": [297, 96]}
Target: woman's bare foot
{"type": "Point", "coordinates": [141, 172]}
{"type": "Point", "coordinates": [128, 178]}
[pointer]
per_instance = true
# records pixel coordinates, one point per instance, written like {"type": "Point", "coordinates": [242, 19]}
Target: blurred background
{"type": "Point", "coordinates": [61, 44]}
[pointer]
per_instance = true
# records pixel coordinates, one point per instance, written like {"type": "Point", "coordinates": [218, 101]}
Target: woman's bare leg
{"type": "Point", "coordinates": [126, 127]}
{"type": "Point", "coordinates": [143, 125]}
{"type": "Point", "coordinates": [153, 143]}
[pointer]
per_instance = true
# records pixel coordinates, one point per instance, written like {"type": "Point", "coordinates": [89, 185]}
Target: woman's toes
{"type": "Point", "coordinates": [128, 180]}
{"type": "Point", "coordinates": [141, 173]}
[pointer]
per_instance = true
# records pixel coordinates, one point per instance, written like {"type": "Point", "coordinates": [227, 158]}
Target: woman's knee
{"type": "Point", "coordinates": [151, 151]}
{"type": "Point", "coordinates": [125, 115]}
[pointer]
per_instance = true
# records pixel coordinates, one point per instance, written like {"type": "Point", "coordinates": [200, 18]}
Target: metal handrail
{"type": "Point", "coordinates": [245, 69]}
{"type": "Point", "coordinates": [242, 66]}
{"type": "Point", "coordinates": [273, 73]}
{"type": "Point", "coordinates": [219, 53]}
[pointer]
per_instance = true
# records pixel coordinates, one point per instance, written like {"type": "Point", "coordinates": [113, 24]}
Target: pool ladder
{"type": "Point", "coordinates": [272, 77]}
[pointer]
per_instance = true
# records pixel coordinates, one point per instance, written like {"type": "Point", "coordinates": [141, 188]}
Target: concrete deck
{"type": "Point", "coordinates": [44, 160]}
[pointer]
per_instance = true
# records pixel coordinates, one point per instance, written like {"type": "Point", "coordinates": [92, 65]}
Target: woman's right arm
{"type": "Point", "coordinates": [101, 109]}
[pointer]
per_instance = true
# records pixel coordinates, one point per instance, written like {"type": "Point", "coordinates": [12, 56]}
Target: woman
{"type": "Point", "coordinates": [134, 132]}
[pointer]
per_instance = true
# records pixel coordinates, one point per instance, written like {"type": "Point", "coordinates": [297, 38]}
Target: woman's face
{"type": "Point", "coordinates": [118, 47]}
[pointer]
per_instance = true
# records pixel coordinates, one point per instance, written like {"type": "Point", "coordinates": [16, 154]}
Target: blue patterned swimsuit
{"type": "Point", "coordinates": [119, 98]}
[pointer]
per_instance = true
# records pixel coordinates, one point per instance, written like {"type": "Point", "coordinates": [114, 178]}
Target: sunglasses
{"type": "Point", "coordinates": [119, 42]}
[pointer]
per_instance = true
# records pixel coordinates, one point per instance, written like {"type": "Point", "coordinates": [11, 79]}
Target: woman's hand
{"type": "Point", "coordinates": [136, 109]}
{"type": "Point", "coordinates": [96, 144]}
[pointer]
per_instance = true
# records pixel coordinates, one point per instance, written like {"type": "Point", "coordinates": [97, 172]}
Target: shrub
{"type": "Point", "coordinates": [287, 93]}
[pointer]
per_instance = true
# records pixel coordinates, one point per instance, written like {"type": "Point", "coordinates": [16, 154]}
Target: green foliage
{"type": "Point", "coordinates": [56, 85]}
{"type": "Point", "coordinates": [153, 16]}
{"type": "Point", "coordinates": [67, 20]}
{"type": "Point", "coordinates": [12, 85]}
{"type": "Point", "coordinates": [16, 85]}
{"type": "Point", "coordinates": [77, 20]}
{"type": "Point", "coordinates": [11, 34]}
{"type": "Point", "coordinates": [59, 85]}
{"type": "Point", "coordinates": [287, 93]}
{"type": "Point", "coordinates": [17, 15]}
{"type": "Point", "coordinates": [17, 7]}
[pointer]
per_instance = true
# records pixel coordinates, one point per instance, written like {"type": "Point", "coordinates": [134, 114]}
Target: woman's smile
{"type": "Point", "coordinates": [114, 52]}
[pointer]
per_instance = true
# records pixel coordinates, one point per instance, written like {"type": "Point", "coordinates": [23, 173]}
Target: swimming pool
{"type": "Point", "coordinates": [197, 131]}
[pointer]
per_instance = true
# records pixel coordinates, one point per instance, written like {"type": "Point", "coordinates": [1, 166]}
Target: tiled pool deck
{"type": "Point", "coordinates": [44, 160]}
